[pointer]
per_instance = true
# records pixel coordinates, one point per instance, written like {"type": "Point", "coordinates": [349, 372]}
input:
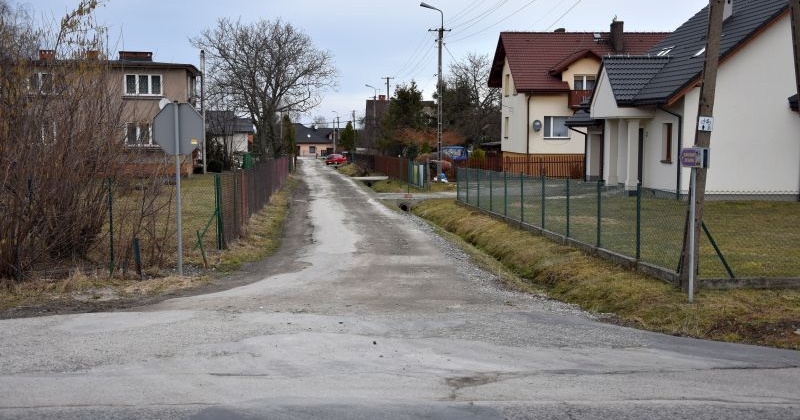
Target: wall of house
{"type": "Point", "coordinates": [319, 149]}
{"type": "Point", "coordinates": [583, 67]}
{"type": "Point", "coordinates": [605, 106]}
{"type": "Point", "coordinates": [553, 105]}
{"type": "Point", "coordinates": [754, 145]}
{"type": "Point", "coordinates": [513, 108]}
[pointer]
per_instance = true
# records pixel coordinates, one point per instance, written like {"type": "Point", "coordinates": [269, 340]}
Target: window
{"type": "Point", "coordinates": [554, 127]}
{"type": "Point", "coordinates": [142, 84]}
{"type": "Point", "coordinates": [666, 143]}
{"type": "Point", "coordinates": [507, 85]}
{"type": "Point", "coordinates": [665, 51]}
{"type": "Point", "coordinates": [583, 83]}
{"type": "Point", "coordinates": [138, 134]}
{"type": "Point", "coordinates": [41, 82]}
{"type": "Point", "coordinates": [505, 127]}
{"type": "Point", "coordinates": [312, 149]}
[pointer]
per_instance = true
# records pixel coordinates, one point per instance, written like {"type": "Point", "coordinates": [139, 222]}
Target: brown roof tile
{"type": "Point", "coordinates": [537, 58]}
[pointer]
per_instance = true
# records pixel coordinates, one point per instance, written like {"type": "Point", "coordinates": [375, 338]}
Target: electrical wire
{"type": "Point", "coordinates": [417, 51]}
{"type": "Point", "coordinates": [562, 16]}
{"type": "Point", "coordinates": [496, 23]}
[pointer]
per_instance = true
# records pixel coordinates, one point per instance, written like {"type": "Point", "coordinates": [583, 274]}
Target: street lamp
{"type": "Point", "coordinates": [439, 94]}
{"type": "Point", "coordinates": [336, 131]}
{"type": "Point", "coordinates": [375, 93]}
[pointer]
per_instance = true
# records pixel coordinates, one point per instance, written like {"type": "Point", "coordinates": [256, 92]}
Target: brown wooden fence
{"type": "Point", "coordinates": [552, 166]}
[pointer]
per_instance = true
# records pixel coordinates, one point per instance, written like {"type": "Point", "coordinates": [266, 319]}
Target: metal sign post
{"type": "Point", "coordinates": [694, 158]}
{"type": "Point", "coordinates": [177, 128]}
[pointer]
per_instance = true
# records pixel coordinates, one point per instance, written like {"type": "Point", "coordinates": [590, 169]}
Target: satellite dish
{"type": "Point", "coordinates": [163, 102]}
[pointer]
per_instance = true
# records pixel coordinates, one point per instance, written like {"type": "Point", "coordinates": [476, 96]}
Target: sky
{"type": "Point", "coordinates": [369, 39]}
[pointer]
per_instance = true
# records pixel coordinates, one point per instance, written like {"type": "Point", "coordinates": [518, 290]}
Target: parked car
{"type": "Point", "coordinates": [335, 159]}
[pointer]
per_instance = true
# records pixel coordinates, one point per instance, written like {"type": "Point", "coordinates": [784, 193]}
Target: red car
{"type": "Point", "coordinates": [335, 159]}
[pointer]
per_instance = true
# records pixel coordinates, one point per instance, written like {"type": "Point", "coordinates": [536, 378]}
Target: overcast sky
{"type": "Point", "coordinates": [371, 39]}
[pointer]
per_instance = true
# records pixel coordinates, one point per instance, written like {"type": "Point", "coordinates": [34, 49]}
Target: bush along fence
{"type": "Point", "coordinates": [136, 233]}
{"type": "Point", "coordinates": [215, 208]}
{"type": "Point", "coordinates": [748, 242]}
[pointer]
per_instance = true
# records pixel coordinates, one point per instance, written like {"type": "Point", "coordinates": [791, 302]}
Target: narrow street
{"type": "Point", "coordinates": [367, 314]}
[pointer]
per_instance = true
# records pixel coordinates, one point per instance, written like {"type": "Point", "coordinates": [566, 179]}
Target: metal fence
{"type": "Point", "coordinates": [750, 237]}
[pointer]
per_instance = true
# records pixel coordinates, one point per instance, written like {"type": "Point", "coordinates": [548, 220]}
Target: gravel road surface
{"type": "Point", "coordinates": [365, 313]}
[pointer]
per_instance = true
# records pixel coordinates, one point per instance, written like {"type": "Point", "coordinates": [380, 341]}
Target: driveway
{"type": "Point", "coordinates": [366, 313]}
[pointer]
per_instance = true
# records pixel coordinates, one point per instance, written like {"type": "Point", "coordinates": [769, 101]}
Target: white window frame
{"type": "Point", "coordinates": [139, 127]}
{"type": "Point", "coordinates": [583, 78]}
{"type": "Point", "coordinates": [138, 90]}
{"type": "Point", "coordinates": [549, 127]}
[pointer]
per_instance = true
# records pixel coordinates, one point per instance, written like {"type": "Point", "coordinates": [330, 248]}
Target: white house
{"type": "Point", "coordinates": [646, 107]}
{"type": "Point", "coordinates": [544, 77]}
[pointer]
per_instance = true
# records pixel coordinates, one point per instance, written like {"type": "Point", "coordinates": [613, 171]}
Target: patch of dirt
{"type": "Point", "coordinates": [132, 294]}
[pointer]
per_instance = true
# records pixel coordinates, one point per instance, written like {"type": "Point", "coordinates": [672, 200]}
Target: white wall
{"type": "Point", "coordinates": [513, 108]}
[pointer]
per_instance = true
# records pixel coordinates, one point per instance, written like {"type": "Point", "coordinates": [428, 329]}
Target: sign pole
{"type": "Point", "coordinates": [692, 237]}
{"type": "Point", "coordinates": [178, 190]}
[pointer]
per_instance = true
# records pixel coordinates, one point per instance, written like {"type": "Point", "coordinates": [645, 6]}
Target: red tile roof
{"type": "Point", "coordinates": [536, 59]}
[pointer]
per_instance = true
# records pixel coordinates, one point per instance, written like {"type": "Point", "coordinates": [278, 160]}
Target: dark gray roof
{"type": "Point", "coordinates": [225, 123]}
{"type": "Point", "coordinates": [629, 75]}
{"type": "Point", "coordinates": [306, 135]}
{"type": "Point", "coordinates": [681, 65]}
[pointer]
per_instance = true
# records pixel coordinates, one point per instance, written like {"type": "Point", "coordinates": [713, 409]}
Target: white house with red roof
{"type": "Point", "coordinates": [544, 77]}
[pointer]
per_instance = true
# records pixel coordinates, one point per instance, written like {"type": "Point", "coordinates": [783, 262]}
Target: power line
{"type": "Point", "coordinates": [464, 11]}
{"type": "Point", "coordinates": [418, 50]}
{"type": "Point", "coordinates": [496, 23]}
{"type": "Point", "coordinates": [562, 16]}
{"type": "Point", "coordinates": [544, 16]}
{"type": "Point", "coordinates": [481, 16]}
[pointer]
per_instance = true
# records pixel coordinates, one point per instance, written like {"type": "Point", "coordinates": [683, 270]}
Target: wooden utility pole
{"type": "Point", "coordinates": [703, 138]}
{"type": "Point", "coordinates": [387, 86]}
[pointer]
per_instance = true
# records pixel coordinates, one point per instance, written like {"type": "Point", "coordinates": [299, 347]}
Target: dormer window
{"type": "Point", "coordinates": [665, 51]}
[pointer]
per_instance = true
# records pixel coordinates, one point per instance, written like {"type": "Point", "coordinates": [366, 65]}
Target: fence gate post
{"type": "Point", "coordinates": [218, 210]}
{"type": "Point", "coordinates": [478, 187]}
{"type": "Point", "coordinates": [111, 227]}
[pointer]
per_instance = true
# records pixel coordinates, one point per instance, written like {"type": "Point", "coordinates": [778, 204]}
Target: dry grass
{"type": "Point", "coordinates": [71, 293]}
{"type": "Point", "coordinates": [770, 318]}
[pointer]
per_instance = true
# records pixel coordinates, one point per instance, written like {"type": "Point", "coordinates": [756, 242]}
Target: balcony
{"type": "Point", "coordinates": [578, 96]}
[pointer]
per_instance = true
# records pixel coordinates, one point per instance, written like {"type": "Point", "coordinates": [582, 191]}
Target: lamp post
{"type": "Point", "coordinates": [335, 131]}
{"type": "Point", "coordinates": [375, 93]}
{"type": "Point", "coordinates": [439, 94]}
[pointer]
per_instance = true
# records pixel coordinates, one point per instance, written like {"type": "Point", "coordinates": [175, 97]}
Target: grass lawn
{"type": "Point", "coordinates": [536, 264]}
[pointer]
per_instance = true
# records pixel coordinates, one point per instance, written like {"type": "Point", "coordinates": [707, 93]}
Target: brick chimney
{"type": "Point", "coordinates": [617, 39]}
{"type": "Point", "coordinates": [136, 55]}
{"type": "Point", "coordinates": [47, 55]}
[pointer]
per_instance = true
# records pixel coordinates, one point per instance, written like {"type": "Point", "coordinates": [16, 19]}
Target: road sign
{"type": "Point", "coordinates": [190, 125]}
{"type": "Point", "coordinates": [705, 123]}
{"type": "Point", "coordinates": [694, 157]}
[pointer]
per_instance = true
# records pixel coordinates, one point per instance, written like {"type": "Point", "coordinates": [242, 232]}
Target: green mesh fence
{"type": "Point", "coordinates": [753, 236]}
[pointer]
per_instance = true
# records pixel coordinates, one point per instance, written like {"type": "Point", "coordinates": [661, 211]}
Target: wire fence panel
{"type": "Point", "coordinates": [663, 217]}
{"type": "Point", "coordinates": [743, 237]}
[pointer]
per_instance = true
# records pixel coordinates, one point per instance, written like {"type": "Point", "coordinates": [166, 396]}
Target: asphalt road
{"type": "Point", "coordinates": [367, 314]}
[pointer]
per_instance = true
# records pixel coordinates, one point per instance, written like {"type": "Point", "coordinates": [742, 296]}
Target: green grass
{"type": "Point", "coordinates": [538, 265]}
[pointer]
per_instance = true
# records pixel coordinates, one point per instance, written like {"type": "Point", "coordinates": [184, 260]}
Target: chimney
{"type": "Point", "coordinates": [92, 54]}
{"type": "Point", "coordinates": [616, 36]}
{"type": "Point", "coordinates": [381, 97]}
{"type": "Point", "coordinates": [136, 55]}
{"type": "Point", "coordinates": [560, 30]}
{"type": "Point", "coordinates": [727, 11]}
{"type": "Point", "coordinates": [47, 55]}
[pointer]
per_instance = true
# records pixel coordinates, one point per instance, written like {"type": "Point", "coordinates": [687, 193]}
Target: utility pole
{"type": "Point", "coordinates": [702, 140]}
{"type": "Point", "coordinates": [387, 86]}
{"type": "Point", "coordinates": [439, 93]}
{"type": "Point", "coordinates": [203, 105]}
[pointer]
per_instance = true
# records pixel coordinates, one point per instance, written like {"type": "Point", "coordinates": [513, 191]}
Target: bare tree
{"type": "Point", "coordinates": [471, 106]}
{"type": "Point", "coordinates": [265, 68]}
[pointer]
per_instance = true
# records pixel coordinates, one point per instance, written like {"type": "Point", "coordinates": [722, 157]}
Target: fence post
{"type": "Point", "coordinates": [599, 209]}
{"type": "Point", "coordinates": [466, 176]}
{"type": "Point", "coordinates": [505, 193]}
{"type": "Point", "coordinates": [111, 227]}
{"type": "Point", "coordinates": [521, 198]}
{"type": "Point", "coordinates": [478, 187]}
{"type": "Point", "coordinates": [567, 207]}
{"type": "Point", "coordinates": [544, 203]}
{"type": "Point", "coordinates": [459, 171]}
{"type": "Point", "coordinates": [218, 210]}
{"type": "Point", "coordinates": [638, 220]}
{"type": "Point", "coordinates": [491, 193]}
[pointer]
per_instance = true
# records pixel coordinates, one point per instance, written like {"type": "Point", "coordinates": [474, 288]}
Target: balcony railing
{"type": "Point", "coordinates": [578, 96]}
